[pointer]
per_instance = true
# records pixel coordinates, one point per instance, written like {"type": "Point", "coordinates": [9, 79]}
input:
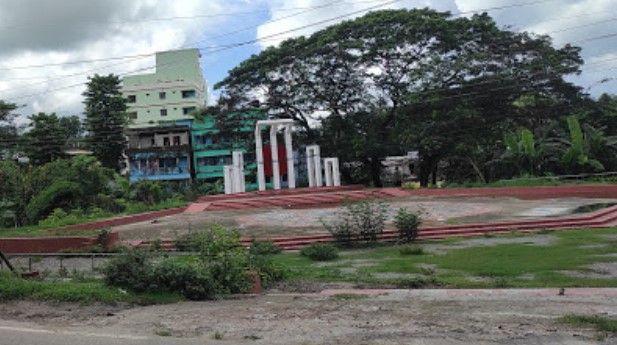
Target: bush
{"type": "Point", "coordinates": [131, 270]}
{"type": "Point", "coordinates": [363, 221]}
{"type": "Point", "coordinates": [58, 195]}
{"type": "Point", "coordinates": [148, 192]}
{"type": "Point", "coordinates": [407, 224]}
{"type": "Point", "coordinates": [320, 252]}
{"type": "Point", "coordinates": [411, 250]}
{"type": "Point", "coordinates": [221, 267]}
{"type": "Point", "coordinates": [264, 248]}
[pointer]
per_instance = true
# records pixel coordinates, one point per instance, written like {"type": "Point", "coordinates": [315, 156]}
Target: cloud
{"type": "Point", "coordinates": [34, 32]}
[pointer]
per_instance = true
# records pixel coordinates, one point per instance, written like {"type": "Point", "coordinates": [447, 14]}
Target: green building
{"type": "Point", "coordinates": [211, 151]}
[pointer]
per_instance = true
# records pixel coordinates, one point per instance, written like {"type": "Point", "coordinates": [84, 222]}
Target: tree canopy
{"type": "Point", "coordinates": [423, 80]}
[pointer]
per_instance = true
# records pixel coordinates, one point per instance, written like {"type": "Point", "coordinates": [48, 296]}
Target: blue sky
{"type": "Point", "coordinates": [56, 34]}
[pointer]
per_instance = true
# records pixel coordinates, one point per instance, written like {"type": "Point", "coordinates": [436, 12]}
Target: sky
{"type": "Point", "coordinates": [47, 47]}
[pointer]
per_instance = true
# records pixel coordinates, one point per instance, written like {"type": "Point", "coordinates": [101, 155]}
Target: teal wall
{"type": "Point", "coordinates": [211, 153]}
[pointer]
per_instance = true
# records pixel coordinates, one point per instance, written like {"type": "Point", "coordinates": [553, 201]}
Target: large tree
{"type": "Point", "coordinates": [46, 139]}
{"type": "Point", "coordinates": [105, 119]}
{"type": "Point", "coordinates": [8, 130]}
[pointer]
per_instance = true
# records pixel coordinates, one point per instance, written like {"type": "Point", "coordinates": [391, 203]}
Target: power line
{"type": "Point", "coordinates": [253, 41]}
{"type": "Point", "coordinates": [230, 46]}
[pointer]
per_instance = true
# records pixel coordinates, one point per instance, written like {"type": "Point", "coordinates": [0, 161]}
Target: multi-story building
{"type": "Point", "coordinates": [211, 151]}
{"type": "Point", "coordinates": [160, 108]}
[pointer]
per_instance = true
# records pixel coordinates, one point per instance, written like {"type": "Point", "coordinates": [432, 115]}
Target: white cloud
{"type": "Point", "coordinates": [36, 32]}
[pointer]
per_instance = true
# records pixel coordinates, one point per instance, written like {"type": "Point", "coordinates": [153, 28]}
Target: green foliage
{"type": "Point", "coordinates": [148, 192]}
{"type": "Point", "coordinates": [407, 224]}
{"type": "Point", "coordinates": [221, 267]}
{"type": "Point", "coordinates": [264, 248]}
{"type": "Point", "coordinates": [576, 157]}
{"type": "Point", "coordinates": [360, 222]}
{"type": "Point", "coordinates": [105, 119]}
{"type": "Point", "coordinates": [46, 140]}
{"type": "Point", "coordinates": [411, 250]}
{"type": "Point", "coordinates": [59, 194]}
{"type": "Point", "coordinates": [600, 323]}
{"type": "Point", "coordinates": [14, 288]}
{"type": "Point", "coordinates": [320, 252]}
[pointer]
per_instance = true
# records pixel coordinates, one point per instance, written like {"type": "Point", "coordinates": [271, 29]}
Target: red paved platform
{"type": "Point", "coordinates": [599, 219]}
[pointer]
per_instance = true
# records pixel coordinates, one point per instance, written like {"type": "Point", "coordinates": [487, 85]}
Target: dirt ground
{"type": "Point", "coordinates": [285, 222]}
{"type": "Point", "coordinates": [338, 317]}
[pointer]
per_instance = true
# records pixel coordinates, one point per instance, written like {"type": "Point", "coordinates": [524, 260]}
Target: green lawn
{"type": "Point", "coordinates": [43, 230]}
{"type": "Point", "coordinates": [535, 182]}
{"type": "Point", "coordinates": [500, 264]}
{"type": "Point", "coordinates": [85, 291]}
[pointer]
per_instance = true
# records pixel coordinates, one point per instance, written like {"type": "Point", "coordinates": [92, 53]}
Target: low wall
{"type": "Point", "coordinates": [130, 219]}
{"type": "Point", "coordinates": [50, 244]}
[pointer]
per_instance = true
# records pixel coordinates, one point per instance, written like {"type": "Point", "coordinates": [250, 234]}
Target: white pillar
{"type": "Point", "coordinates": [336, 172]}
{"type": "Point", "coordinates": [291, 173]}
{"type": "Point", "coordinates": [317, 158]}
{"type": "Point", "coordinates": [276, 174]}
{"type": "Point", "coordinates": [261, 176]}
{"type": "Point", "coordinates": [238, 172]}
{"type": "Point", "coordinates": [328, 170]}
{"type": "Point", "coordinates": [228, 178]}
{"type": "Point", "coordinates": [310, 169]}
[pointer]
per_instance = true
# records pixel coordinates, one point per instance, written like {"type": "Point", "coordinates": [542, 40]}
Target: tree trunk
{"type": "Point", "coordinates": [376, 172]}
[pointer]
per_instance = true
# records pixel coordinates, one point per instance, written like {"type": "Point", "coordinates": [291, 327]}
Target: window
{"type": "Point", "coordinates": [162, 95]}
{"type": "Point", "coordinates": [166, 141]}
{"type": "Point", "coordinates": [163, 112]}
{"type": "Point", "coordinates": [188, 93]}
{"type": "Point", "coordinates": [131, 99]}
{"type": "Point", "coordinates": [132, 115]}
{"type": "Point", "coordinates": [188, 110]}
{"type": "Point", "coordinates": [176, 140]}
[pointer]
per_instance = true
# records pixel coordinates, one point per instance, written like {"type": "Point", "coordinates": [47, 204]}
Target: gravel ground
{"type": "Point", "coordinates": [337, 317]}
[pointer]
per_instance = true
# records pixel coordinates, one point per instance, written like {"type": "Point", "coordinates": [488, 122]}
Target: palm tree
{"type": "Point", "coordinates": [577, 156]}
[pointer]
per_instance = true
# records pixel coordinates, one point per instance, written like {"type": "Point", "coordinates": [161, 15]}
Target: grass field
{"type": "Point", "coordinates": [535, 182]}
{"type": "Point", "coordinates": [55, 229]}
{"type": "Point", "coordinates": [84, 291]}
{"type": "Point", "coordinates": [560, 259]}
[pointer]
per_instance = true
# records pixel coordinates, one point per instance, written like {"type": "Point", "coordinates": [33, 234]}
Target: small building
{"type": "Point", "coordinates": [161, 153]}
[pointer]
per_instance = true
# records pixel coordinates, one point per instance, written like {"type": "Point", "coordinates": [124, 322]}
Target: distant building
{"type": "Point", "coordinates": [160, 107]}
{"type": "Point", "coordinates": [211, 151]}
{"type": "Point", "coordinates": [172, 93]}
{"type": "Point", "coordinates": [161, 153]}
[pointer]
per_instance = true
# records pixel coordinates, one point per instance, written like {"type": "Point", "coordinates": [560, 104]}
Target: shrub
{"type": "Point", "coordinates": [407, 224]}
{"type": "Point", "coordinates": [148, 192]}
{"type": "Point", "coordinates": [221, 267]}
{"type": "Point", "coordinates": [320, 252]}
{"type": "Point", "coordinates": [58, 195]}
{"type": "Point", "coordinates": [131, 270]}
{"type": "Point", "coordinates": [363, 221]}
{"type": "Point", "coordinates": [264, 248]}
{"type": "Point", "coordinates": [411, 250]}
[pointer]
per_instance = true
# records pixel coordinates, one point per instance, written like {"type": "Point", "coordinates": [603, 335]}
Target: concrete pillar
{"type": "Point", "coordinates": [327, 162]}
{"type": "Point", "coordinates": [333, 174]}
{"type": "Point", "coordinates": [318, 178]}
{"type": "Point", "coordinates": [276, 174]}
{"type": "Point", "coordinates": [239, 183]}
{"type": "Point", "coordinates": [228, 178]}
{"type": "Point", "coordinates": [261, 175]}
{"type": "Point", "coordinates": [310, 168]}
{"type": "Point", "coordinates": [336, 172]}
{"type": "Point", "coordinates": [291, 173]}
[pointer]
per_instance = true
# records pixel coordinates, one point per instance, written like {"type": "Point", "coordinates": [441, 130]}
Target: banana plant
{"type": "Point", "coordinates": [577, 155]}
